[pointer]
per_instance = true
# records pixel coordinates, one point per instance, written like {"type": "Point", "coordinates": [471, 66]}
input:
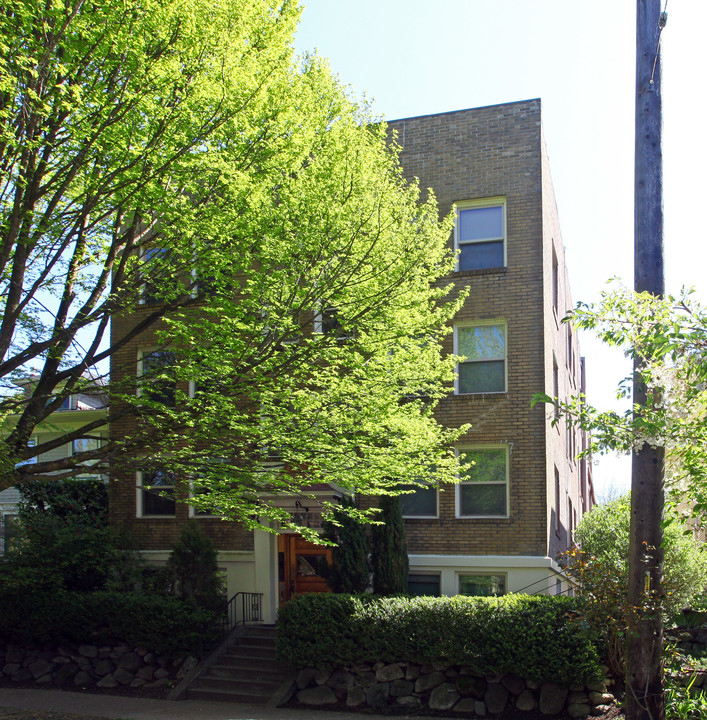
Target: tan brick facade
{"type": "Point", "coordinates": [498, 152]}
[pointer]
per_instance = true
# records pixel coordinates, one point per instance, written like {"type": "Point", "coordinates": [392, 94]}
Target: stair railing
{"type": "Point", "coordinates": [242, 608]}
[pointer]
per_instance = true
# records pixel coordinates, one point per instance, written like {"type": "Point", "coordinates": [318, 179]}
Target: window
{"type": "Point", "coordinates": [420, 503]}
{"type": "Point", "coordinates": [81, 445]}
{"type": "Point", "coordinates": [483, 365]}
{"type": "Point", "coordinates": [156, 369]}
{"type": "Point", "coordinates": [482, 585]}
{"type": "Point", "coordinates": [10, 530]}
{"type": "Point", "coordinates": [555, 283]}
{"type": "Point", "coordinates": [154, 261]}
{"type": "Point", "coordinates": [328, 322]}
{"type": "Point", "coordinates": [480, 235]}
{"type": "Point", "coordinates": [483, 490]}
{"type": "Point", "coordinates": [156, 492]}
{"type": "Point", "coordinates": [423, 584]}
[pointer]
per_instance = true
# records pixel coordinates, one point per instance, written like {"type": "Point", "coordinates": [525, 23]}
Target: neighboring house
{"type": "Point", "coordinates": [502, 528]}
{"type": "Point", "coordinates": [76, 410]}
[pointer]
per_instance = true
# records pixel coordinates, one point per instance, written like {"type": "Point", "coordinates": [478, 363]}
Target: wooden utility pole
{"type": "Point", "coordinates": [644, 642]}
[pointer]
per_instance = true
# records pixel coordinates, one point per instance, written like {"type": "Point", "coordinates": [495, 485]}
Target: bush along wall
{"type": "Point", "coordinates": [481, 655]}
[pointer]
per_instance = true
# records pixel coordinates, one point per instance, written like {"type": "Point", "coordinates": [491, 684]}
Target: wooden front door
{"type": "Point", "coordinates": [299, 565]}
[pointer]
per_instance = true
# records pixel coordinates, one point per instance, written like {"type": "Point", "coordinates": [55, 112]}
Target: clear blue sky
{"type": "Point", "coordinates": [415, 57]}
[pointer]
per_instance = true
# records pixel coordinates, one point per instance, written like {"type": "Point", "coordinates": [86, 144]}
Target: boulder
{"type": "Point", "coordinates": [88, 651]}
{"type": "Point", "coordinates": [123, 676]}
{"type": "Point", "coordinates": [495, 697]}
{"type": "Point", "coordinates": [83, 679]}
{"type": "Point", "coordinates": [526, 701]}
{"type": "Point", "coordinates": [107, 681]}
{"type": "Point", "coordinates": [355, 696]}
{"type": "Point", "coordinates": [366, 679]}
{"type": "Point", "coordinates": [400, 687]}
{"type": "Point", "coordinates": [377, 695]}
{"type": "Point", "coordinates": [103, 667]}
{"type": "Point", "coordinates": [387, 673]}
{"type": "Point", "coordinates": [443, 697]}
{"type": "Point", "coordinates": [130, 661]}
{"type": "Point", "coordinates": [552, 698]}
{"type": "Point", "coordinates": [341, 680]}
{"type": "Point", "coordinates": [429, 681]}
{"type": "Point", "coordinates": [466, 705]}
{"type": "Point", "coordinates": [578, 710]}
{"type": "Point", "coordinates": [513, 683]}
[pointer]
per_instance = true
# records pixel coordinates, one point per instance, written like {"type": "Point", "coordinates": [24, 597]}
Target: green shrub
{"type": "Point", "coordinates": [389, 552]}
{"type": "Point", "coordinates": [536, 637]}
{"type": "Point", "coordinates": [195, 569]}
{"type": "Point", "coordinates": [162, 624]}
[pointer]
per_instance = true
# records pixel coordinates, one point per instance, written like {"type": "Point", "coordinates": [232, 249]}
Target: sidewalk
{"type": "Point", "coordinates": [131, 708]}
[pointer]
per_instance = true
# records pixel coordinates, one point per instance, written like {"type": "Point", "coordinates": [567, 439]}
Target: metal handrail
{"type": "Point", "coordinates": [242, 608]}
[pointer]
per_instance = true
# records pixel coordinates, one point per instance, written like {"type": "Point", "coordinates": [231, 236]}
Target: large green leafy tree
{"type": "Point", "coordinates": [175, 154]}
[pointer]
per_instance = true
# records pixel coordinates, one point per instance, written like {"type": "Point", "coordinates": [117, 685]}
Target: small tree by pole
{"type": "Point", "coordinates": [389, 555]}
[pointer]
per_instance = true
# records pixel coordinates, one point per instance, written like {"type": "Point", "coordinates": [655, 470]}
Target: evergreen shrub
{"type": "Point", "coordinates": [537, 637]}
{"type": "Point", "coordinates": [162, 624]}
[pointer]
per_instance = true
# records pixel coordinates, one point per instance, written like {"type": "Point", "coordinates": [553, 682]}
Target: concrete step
{"type": "Point", "coordinates": [251, 652]}
{"type": "Point", "coordinates": [247, 671]}
{"type": "Point", "coordinates": [240, 685]}
{"type": "Point", "coordinates": [226, 696]}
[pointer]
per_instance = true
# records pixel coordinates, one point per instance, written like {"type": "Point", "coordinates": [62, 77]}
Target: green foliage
{"type": "Point", "coordinates": [601, 569]}
{"type": "Point", "coordinates": [33, 612]}
{"type": "Point", "coordinates": [178, 146]}
{"type": "Point", "coordinates": [63, 534]}
{"type": "Point", "coordinates": [536, 637]}
{"type": "Point", "coordinates": [79, 501]}
{"type": "Point", "coordinates": [193, 564]}
{"type": "Point", "coordinates": [670, 336]}
{"type": "Point", "coordinates": [389, 554]}
{"type": "Point", "coordinates": [350, 570]}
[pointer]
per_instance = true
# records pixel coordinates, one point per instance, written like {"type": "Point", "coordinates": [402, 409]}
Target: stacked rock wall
{"type": "Point", "coordinates": [103, 666]}
{"type": "Point", "coordinates": [414, 687]}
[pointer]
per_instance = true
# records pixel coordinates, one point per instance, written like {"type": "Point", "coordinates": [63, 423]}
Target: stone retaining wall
{"type": "Point", "coordinates": [411, 686]}
{"type": "Point", "coordinates": [103, 666]}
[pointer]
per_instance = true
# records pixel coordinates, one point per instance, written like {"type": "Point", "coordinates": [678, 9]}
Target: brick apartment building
{"type": "Point", "coordinates": [501, 529]}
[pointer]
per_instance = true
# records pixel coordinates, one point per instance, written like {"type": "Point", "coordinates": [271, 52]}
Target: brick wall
{"type": "Point", "coordinates": [498, 151]}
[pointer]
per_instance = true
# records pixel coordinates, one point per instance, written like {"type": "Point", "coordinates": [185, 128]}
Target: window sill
{"type": "Point", "coordinates": [481, 271]}
{"type": "Point", "coordinates": [482, 395]}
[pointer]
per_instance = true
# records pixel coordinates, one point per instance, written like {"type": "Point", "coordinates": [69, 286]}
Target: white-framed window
{"type": "Point", "coordinates": [155, 493]}
{"type": "Point", "coordinates": [480, 234]}
{"type": "Point", "coordinates": [328, 322]}
{"type": "Point", "coordinates": [483, 488]}
{"type": "Point", "coordinates": [152, 260]}
{"type": "Point", "coordinates": [422, 502]}
{"type": "Point", "coordinates": [482, 584]}
{"type": "Point", "coordinates": [80, 445]}
{"type": "Point", "coordinates": [482, 349]}
{"type": "Point", "coordinates": [424, 584]}
{"type": "Point", "coordinates": [157, 382]}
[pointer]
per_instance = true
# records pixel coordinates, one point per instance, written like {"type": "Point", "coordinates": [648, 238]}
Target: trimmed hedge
{"type": "Point", "coordinates": [537, 637]}
{"type": "Point", "coordinates": [162, 624]}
